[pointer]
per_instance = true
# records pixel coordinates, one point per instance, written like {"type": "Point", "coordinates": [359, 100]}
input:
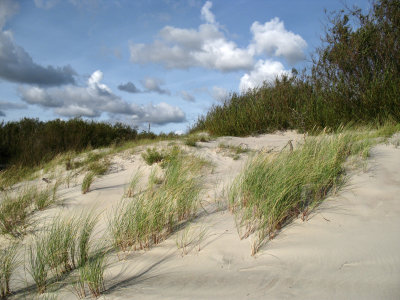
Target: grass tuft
{"type": "Point", "coordinates": [8, 264]}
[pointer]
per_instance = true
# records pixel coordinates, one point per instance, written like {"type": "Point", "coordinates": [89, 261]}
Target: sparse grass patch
{"type": "Point", "coordinates": [133, 184]}
{"type": "Point", "coordinates": [151, 216]}
{"type": "Point", "coordinates": [14, 211]}
{"type": "Point", "coordinates": [190, 237]}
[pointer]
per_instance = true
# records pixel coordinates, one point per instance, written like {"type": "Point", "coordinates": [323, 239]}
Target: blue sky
{"type": "Point", "coordinates": [162, 62]}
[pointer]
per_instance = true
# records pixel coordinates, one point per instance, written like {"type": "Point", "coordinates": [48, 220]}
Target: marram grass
{"type": "Point", "coordinates": [149, 217]}
{"type": "Point", "coordinates": [275, 188]}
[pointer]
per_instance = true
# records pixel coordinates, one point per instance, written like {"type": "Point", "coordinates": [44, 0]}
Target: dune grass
{"type": "Point", "coordinates": [64, 245]}
{"type": "Point", "coordinates": [150, 216]}
{"type": "Point", "coordinates": [152, 155]}
{"type": "Point", "coordinates": [92, 274]}
{"type": "Point", "coordinates": [273, 189]}
{"type": "Point", "coordinates": [8, 263]}
{"type": "Point", "coordinates": [15, 209]}
{"type": "Point", "coordinates": [87, 182]}
{"type": "Point", "coordinates": [133, 184]}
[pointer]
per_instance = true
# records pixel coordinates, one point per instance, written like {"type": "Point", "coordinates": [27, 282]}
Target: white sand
{"type": "Point", "coordinates": [348, 249]}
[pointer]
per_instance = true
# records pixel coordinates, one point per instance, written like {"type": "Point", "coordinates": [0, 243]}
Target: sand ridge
{"type": "Point", "coordinates": [347, 249]}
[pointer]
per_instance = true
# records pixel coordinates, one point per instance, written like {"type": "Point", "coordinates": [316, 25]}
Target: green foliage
{"type": "Point", "coordinates": [30, 142]}
{"type": "Point", "coordinates": [152, 156]}
{"type": "Point", "coordinates": [355, 78]}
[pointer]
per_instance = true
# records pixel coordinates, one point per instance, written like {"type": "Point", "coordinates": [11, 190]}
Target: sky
{"type": "Point", "coordinates": [163, 62]}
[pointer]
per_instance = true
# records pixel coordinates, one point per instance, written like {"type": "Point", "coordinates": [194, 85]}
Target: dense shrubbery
{"type": "Point", "coordinates": [355, 78]}
{"type": "Point", "coordinates": [30, 141]}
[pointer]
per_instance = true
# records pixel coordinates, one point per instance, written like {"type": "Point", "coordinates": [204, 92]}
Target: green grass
{"type": "Point", "coordinates": [87, 182]}
{"type": "Point", "coordinates": [65, 244]}
{"type": "Point", "coordinates": [152, 156]}
{"type": "Point", "coordinates": [92, 273]}
{"type": "Point", "coordinates": [273, 189]}
{"type": "Point", "coordinates": [15, 209]}
{"type": "Point", "coordinates": [8, 264]}
{"type": "Point", "coordinates": [37, 264]}
{"type": "Point", "coordinates": [133, 184]}
{"type": "Point", "coordinates": [149, 217]}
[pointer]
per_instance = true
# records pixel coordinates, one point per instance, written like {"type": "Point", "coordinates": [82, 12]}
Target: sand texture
{"type": "Point", "coordinates": [349, 248]}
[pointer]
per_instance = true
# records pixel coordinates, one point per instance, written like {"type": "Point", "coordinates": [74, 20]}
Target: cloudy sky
{"type": "Point", "coordinates": [163, 62]}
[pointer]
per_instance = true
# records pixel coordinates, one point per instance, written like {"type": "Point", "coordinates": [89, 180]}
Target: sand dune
{"type": "Point", "coordinates": [349, 248]}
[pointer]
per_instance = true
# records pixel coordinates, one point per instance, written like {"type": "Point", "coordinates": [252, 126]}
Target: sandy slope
{"type": "Point", "coordinates": [348, 249]}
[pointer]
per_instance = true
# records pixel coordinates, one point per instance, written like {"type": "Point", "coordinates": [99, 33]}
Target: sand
{"type": "Point", "coordinates": [349, 248]}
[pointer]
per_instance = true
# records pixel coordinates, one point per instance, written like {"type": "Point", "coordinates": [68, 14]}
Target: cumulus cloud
{"type": "Point", "coordinates": [220, 94]}
{"type": "Point", "coordinates": [154, 85]}
{"type": "Point", "coordinates": [205, 47]}
{"type": "Point", "coordinates": [159, 114]}
{"type": "Point", "coordinates": [129, 87]}
{"type": "Point", "coordinates": [17, 65]}
{"type": "Point", "coordinates": [273, 39]}
{"type": "Point", "coordinates": [264, 71]}
{"type": "Point", "coordinates": [96, 98]}
{"type": "Point", "coordinates": [5, 105]}
{"type": "Point", "coordinates": [187, 96]}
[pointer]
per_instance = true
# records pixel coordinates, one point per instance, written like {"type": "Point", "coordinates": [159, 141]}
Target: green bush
{"type": "Point", "coordinates": [354, 78]}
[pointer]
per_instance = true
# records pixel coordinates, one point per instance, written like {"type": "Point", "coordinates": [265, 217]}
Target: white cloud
{"type": "Point", "coordinates": [187, 96]}
{"type": "Point", "coordinates": [159, 114]}
{"type": "Point", "coordinates": [206, 13]}
{"type": "Point", "coordinates": [220, 94]}
{"type": "Point", "coordinates": [204, 47]}
{"type": "Point", "coordinates": [273, 39]}
{"type": "Point", "coordinates": [96, 98]}
{"type": "Point", "coordinates": [264, 71]}
{"type": "Point", "coordinates": [207, 47]}
{"type": "Point", "coordinates": [154, 85]}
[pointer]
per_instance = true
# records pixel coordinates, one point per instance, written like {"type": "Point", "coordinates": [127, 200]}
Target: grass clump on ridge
{"type": "Point", "coordinates": [274, 189]}
{"type": "Point", "coordinates": [150, 216]}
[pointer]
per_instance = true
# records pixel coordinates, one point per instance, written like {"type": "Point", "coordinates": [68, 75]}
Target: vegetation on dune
{"type": "Point", "coordinates": [150, 216]}
{"type": "Point", "coordinates": [65, 245]}
{"type": "Point", "coordinates": [355, 78]}
{"type": "Point", "coordinates": [273, 188]}
{"type": "Point", "coordinates": [8, 263]}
